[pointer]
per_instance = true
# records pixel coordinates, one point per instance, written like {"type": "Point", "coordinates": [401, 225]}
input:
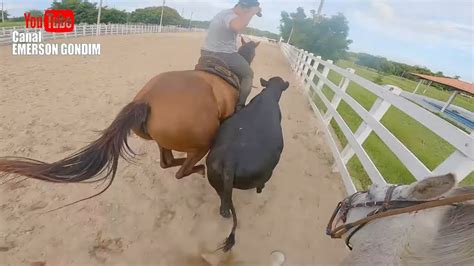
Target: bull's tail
{"type": "Point", "coordinates": [100, 158]}
{"type": "Point", "coordinates": [228, 186]}
{"type": "Point", "coordinates": [230, 241]}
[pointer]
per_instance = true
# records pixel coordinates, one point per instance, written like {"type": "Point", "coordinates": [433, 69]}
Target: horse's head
{"type": "Point", "coordinates": [365, 203]}
{"type": "Point", "coordinates": [247, 50]}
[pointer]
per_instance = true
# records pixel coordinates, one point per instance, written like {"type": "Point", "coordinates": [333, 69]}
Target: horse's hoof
{"type": "Point", "coordinates": [179, 175]}
{"type": "Point", "coordinates": [225, 213]}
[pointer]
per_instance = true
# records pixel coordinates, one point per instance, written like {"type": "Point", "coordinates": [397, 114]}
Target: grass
{"type": "Point", "coordinates": [12, 24]}
{"type": "Point", "coordinates": [422, 142]}
{"type": "Point", "coordinates": [410, 85]}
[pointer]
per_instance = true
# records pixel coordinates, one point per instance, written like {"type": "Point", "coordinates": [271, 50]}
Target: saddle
{"type": "Point", "coordinates": [218, 67]}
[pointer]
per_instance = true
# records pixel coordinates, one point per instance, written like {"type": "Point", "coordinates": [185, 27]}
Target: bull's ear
{"type": "Point", "coordinates": [242, 40]}
{"type": "Point", "coordinates": [257, 44]}
{"type": "Point", "coordinates": [264, 83]}
{"type": "Point", "coordinates": [431, 187]}
{"type": "Point", "coordinates": [287, 85]}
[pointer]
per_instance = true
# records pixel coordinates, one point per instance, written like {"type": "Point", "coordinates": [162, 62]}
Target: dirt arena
{"type": "Point", "coordinates": [52, 106]}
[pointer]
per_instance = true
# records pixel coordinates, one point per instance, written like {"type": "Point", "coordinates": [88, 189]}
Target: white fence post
{"type": "Point", "coordinates": [457, 163]}
{"type": "Point", "coordinates": [302, 62]}
{"type": "Point", "coordinates": [298, 56]}
{"type": "Point", "coordinates": [320, 84]}
{"type": "Point", "coordinates": [312, 73]}
{"type": "Point", "coordinates": [378, 110]}
{"type": "Point", "coordinates": [325, 74]}
{"type": "Point", "coordinates": [460, 162]}
{"type": "Point", "coordinates": [343, 84]}
{"type": "Point", "coordinates": [307, 66]}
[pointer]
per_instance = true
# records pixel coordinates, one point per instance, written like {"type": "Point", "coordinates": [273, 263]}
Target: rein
{"type": "Point", "coordinates": [389, 208]}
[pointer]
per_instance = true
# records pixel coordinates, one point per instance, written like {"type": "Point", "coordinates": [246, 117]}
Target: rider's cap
{"type": "Point", "coordinates": [249, 3]}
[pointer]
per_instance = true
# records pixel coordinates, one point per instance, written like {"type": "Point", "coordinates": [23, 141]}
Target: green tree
{"type": "Point", "coordinates": [286, 24]}
{"type": "Point", "coordinates": [36, 13]}
{"type": "Point", "coordinates": [152, 15]}
{"type": "Point", "coordinates": [197, 24]}
{"type": "Point", "coordinates": [112, 15]}
{"type": "Point", "coordinates": [5, 15]}
{"type": "Point", "coordinates": [379, 79]}
{"type": "Point", "coordinates": [327, 37]}
{"type": "Point", "coordinates": [84, 12]}
{"type": "Point", "coordinates": [33, 12]}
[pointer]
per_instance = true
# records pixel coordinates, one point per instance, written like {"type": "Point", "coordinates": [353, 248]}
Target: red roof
{"type": "Point", "coordinates": [453, 83]}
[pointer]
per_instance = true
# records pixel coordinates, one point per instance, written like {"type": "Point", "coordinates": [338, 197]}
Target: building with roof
{"type": "Point", "coordinates": [457, 86]}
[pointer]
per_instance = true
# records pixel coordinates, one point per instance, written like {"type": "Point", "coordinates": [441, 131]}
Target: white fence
{"type": "Point", "coordinates": [92, 30]}
{"type": "Point", "coordinates": [306, 65]}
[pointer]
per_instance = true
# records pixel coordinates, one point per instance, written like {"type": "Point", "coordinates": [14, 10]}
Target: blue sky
{"type": "Point", "coordinates": [438, 34]}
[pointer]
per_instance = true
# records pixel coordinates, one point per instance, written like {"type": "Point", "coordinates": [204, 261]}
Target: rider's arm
{"type": "Point", "coordinates": [241, 22]}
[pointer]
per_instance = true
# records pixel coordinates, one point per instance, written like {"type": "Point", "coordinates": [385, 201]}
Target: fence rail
{"type": "Point", "coordinates": [92, 30]}
{"type": "Point", "coordinates": [306, 65]}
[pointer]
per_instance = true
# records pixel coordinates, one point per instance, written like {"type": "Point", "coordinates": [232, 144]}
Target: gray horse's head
{"type": "Point", "coordinates": [426, 189]}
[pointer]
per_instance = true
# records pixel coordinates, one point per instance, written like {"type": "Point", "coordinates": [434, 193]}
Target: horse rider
{"type": "Point", "coordinates": [221, 42]}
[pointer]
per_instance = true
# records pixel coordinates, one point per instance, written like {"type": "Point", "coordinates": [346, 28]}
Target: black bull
{"type": "Point", "coordinates": [247, 149]}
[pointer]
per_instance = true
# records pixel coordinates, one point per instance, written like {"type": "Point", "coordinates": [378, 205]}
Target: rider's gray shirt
{"type": "Point", "coordinates": [220, 37]}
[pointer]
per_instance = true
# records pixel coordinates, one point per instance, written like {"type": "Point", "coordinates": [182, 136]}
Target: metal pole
{"type": "Point", "coordinates": [161, 18]}
{"type": "Point", "coordinates": [291, 34]}
{"type": "Point", "coordinates": [418, 86]}
{"type": "Point", "coordinates": [98, 17]}
{"type": "Point", "coordinates": [317, 17]}
{"type": "Point", "coordinates": [450, 100]}
{"type": "Point", "coordinates": [3, 17]}
{"type": "Point", "coordinates": [320, 9]}
{"type": "Point", "coordinates": [191, 19]}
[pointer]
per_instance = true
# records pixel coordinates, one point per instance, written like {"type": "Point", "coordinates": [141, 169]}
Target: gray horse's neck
{"type": "Point", "coordinates": [387, 241]}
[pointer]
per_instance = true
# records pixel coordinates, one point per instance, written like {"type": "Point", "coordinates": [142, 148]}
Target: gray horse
{"type": "Point", "coordinates": [437, 236]}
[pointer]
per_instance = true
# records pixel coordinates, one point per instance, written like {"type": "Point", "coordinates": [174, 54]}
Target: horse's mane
{"type": "Point", "coordinates": [454, 243]}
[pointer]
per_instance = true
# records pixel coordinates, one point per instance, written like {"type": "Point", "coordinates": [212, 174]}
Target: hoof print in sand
{"type": "Point", "coordinates": [105, 247]}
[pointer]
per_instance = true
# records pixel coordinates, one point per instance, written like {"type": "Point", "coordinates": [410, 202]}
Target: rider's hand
{"type": "Point", "coordinates": [256, 9]}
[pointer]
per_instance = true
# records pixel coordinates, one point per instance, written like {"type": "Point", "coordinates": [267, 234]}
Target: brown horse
{"type": "Point", "coordinates": [180, 110]}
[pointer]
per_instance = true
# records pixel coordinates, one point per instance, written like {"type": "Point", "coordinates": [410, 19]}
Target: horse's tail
{"type": "Point", "coordinates": [99, 157]}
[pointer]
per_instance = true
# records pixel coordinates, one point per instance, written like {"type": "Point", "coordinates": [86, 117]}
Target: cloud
{"type": "Point", "coordinates": [383, 18]}
{"type": "Point", "coordinates": [383, 9]}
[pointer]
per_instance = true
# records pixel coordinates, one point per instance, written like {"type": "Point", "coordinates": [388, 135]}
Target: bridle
{"type": "Point", "coordinates": [388, 207]}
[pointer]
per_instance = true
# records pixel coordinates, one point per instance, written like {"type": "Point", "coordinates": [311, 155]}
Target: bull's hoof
{"type": "Point", "coordinates": [225, 212]}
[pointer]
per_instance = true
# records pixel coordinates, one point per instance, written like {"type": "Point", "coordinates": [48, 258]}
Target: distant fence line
{"type": "Point", "coordinates": [82, 30]}
{"type": "Point", "coordinates": [306, 65]}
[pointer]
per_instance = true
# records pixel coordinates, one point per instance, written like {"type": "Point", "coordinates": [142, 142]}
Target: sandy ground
{"type": "Point", "coordinates": [51, 106]}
